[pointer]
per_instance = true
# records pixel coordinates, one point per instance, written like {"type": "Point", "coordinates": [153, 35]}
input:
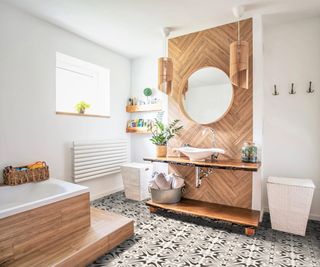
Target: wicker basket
{"type": "Point", "coordinates": [12, 176]}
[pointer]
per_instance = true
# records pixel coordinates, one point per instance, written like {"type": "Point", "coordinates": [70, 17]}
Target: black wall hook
{"type": "Point", "coordinates": [292, 91]}
{"type": "Point", "coordinates": [310, 91]}
{"type": "Point", "coordinates": [275, 92]}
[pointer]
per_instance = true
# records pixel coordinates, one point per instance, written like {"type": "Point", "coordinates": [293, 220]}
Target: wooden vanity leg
{"type": "Point", "coordinates": [250, 231]}
{"type": "Point", "coordinates": [152, 209]}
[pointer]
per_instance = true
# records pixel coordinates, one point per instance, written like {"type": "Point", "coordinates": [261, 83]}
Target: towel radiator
{"type": "Point", "coordinates": [94, 159]}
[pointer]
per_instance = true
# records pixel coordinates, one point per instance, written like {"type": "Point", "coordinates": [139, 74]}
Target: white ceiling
{"type": "Point", "coordinates": [132, 27]}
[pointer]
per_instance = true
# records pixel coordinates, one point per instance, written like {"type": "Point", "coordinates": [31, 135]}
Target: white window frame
{"type": "Point", "coordinates": [88, 69]}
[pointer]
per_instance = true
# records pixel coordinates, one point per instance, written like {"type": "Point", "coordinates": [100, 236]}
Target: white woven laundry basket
{"type": "Point", "coordinates": [136, 177]}
{"type": "Point", "coordinates": [289, 203]}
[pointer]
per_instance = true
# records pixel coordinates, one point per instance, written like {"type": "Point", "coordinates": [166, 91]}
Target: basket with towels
{"type": "Point", "coordinates": [166, 188]}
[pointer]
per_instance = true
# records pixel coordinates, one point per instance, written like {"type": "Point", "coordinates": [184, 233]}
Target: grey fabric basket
{"type": "Point", "coordinates": [169, 196]}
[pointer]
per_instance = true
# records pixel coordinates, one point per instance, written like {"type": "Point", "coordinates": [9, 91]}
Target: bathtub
{"type": "Point", "coordinates": [20, 198]}
{"type": "Point", "coordinates": [34, 215]}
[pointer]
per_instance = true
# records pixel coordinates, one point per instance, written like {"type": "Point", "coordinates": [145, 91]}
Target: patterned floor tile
{"type": "Point", "coordinates": [166, 239]}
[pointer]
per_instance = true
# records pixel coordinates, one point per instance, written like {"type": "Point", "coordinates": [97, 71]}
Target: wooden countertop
{"type": "Point", "coordinates": [218, 164]}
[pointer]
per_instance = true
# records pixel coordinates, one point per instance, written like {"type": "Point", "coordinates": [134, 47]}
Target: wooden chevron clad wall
{"type": "Point", "coordinates": [190, 53]}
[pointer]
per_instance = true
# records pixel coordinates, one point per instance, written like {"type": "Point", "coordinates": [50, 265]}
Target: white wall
{"type": "Point", "coordinates": [30, 130]}
{"type": "Point", "coordinates": [257, 188]}
{"type": "Point", "coordinates": [144, 73]}
{"type": "Point", "coordinates": [292, 122]}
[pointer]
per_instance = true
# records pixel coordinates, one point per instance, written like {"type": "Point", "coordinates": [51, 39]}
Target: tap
{"type": "Point", "coordinates": [215, 155]}
{"type": "Point", "coordinates": [213, 135]}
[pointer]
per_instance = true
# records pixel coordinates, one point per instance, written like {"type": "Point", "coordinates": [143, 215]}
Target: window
{"type": "Point", "coordinates": [78, 80]}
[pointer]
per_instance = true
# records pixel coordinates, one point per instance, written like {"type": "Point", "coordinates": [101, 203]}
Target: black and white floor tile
{"type": "Point", "coordinates": [169, 240]}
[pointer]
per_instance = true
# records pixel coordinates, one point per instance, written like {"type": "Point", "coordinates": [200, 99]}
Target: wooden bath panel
{"type": "Point", "coordinates": [26, 232]}
{"type": "Point", "coordinates": [81, 248]}
{"type": "Point", "coordinates": [190, 53]}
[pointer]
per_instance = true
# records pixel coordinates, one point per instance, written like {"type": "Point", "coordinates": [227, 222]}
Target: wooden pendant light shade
{"type": "Point", "coordinates": [165, 74]}
{"type": "Point", "coordinates": [239, 64]}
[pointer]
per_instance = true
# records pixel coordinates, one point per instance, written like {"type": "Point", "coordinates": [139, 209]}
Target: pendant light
{"type": "Point", "coordinates": [239, 56]}
{"type": "Point", "coordinates": [165, 67]}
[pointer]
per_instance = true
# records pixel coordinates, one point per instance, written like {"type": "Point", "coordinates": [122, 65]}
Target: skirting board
{"type": "Point", "coordinates": [261, 215]}
{"type": "Point", "coordinates": [312, 216]}
{"type": "Point", "coordinates": [106, 193]}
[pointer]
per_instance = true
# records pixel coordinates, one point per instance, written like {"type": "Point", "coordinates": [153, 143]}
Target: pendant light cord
{"type": "Point", "coordinates": [165, 46]}
{"type": "Point", "coordinates": [165, 32]}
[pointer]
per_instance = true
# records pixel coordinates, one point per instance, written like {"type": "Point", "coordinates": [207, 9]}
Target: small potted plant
{"type": "Point", "coordinates": [81, 107]}
{"type": "Point", "coordinates": [161, 134]}
{"type": "Point", "coordinates": [147, 92]}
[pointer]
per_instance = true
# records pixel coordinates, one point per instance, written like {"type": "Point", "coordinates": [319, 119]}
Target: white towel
{"type": "Point", "coordinates": [177, 182]}
{"type": "Point", "coordinates": [162, 182]}
{"type": "Point", "coordinates": [153, 185]}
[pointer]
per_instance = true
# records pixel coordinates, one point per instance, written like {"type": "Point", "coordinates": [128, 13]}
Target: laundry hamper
{"type": "Point", "coordinates": [136, 177]}
{"type": "Point", "coordinates": [289, 203]}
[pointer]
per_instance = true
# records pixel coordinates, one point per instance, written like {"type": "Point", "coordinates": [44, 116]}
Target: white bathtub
{"type": "Point", "coordinates": [20, 198]}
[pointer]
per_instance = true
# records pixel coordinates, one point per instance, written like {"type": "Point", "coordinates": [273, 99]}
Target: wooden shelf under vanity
{"type": "Point", "coordinates": [218, 164]}
{"type": "Point", "coordinates": [247, 217]}
{"type": "Point", "coordinates": [139, 130]}
{"type": "Point", "coordinates": [144, 108]}
{"type": "Point", "coordinates": [241, 216]}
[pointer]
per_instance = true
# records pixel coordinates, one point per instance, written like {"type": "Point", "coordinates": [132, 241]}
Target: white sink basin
{"type": "Point", "coordinates": [196, 154]}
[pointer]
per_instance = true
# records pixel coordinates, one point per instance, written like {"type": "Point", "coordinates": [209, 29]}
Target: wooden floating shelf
{"type": "Point", "coordinates": [139, 130]}
{"type": "Point", "coordinates": [81, 115]}
{"type": "Point", "coordinates": [144, 108]}
{"type": "Point", "coordinates": [80, 248]}
{"type": "Point", "coordinates": [218, 164]}
{"type": "Point", "coordinates": [236, 215]}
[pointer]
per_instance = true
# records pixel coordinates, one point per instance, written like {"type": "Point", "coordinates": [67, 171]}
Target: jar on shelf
{"type": "Point", "coordinates": [249, 152]}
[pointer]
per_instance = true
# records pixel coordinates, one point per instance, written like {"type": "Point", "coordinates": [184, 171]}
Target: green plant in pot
{"type": "Point", "coordinates": [81, 107]}
{"type": "Point", "coordinates": [162, 133]}
{"type": "Point", "coordinates": [147, 92]}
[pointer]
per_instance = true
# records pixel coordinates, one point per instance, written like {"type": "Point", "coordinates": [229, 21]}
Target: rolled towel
{"type": "Point", "coordinates": [153, 185]}
{"type": "Point", "coordinates": [162, 182]}
{"type": "Point", "coordinates": [177, 182]}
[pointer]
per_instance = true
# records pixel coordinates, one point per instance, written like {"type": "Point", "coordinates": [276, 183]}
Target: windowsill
{"type": "Point", "coordinates": [81, 115]}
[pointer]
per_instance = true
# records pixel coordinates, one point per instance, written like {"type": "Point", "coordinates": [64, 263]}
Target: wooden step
{"type": "Point", "coordinates": [210, 210]}
{"type": "Point", "coordinates": [80, 248]}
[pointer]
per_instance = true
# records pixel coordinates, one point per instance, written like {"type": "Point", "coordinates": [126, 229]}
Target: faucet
{"type": "Point", "coordinates": [212, 132]}
{"type": "Point", "coordinates": [215, 155]}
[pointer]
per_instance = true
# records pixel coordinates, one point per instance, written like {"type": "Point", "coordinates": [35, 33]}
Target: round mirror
{"type": "Point", "coordinates": [207, 95]}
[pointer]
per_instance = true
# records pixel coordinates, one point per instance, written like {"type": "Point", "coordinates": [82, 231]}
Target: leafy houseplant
{"type": "Point", "coordinates": [162, 133]}
{"type": "Point", "coordinates": [81, 107]}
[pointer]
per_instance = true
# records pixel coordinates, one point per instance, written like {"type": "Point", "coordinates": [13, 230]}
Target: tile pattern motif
{"type": "Point", "coordinates": [169, 240]}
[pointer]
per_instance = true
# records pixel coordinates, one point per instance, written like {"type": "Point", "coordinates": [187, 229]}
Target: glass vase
{"type": "Point", "coordinates": [249, 152]}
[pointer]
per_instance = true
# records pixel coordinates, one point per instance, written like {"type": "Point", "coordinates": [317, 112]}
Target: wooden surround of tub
{"type": "Point", "coordinates": [62, 234]}
{"type": "Point", "coordinates": [190, 53]}
{"type": "Point", "coordinates": [29, 231]}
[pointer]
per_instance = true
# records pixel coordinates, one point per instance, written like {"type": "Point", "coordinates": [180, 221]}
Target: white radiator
{"type": "Point", "coordinates": [94, 159]}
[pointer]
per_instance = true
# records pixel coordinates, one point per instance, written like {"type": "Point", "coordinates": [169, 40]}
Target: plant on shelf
{"type": "Point", "coordinates": [81, 107]}
{"type": "Point", "coordinates": [147, 92]}
{"type": "Point", "coordinates": [162, 133]}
